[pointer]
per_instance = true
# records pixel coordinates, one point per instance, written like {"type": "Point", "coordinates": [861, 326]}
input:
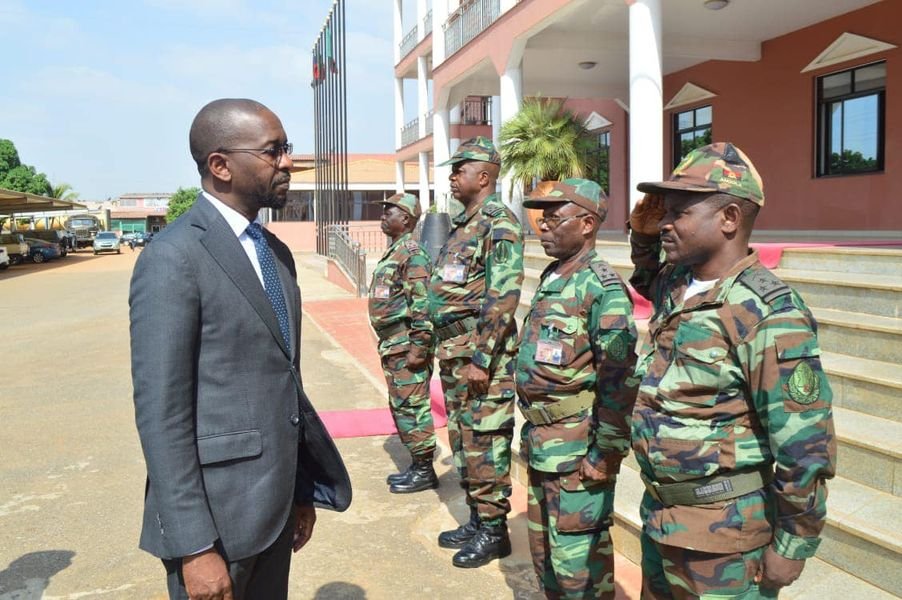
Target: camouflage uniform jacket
{"type": "Point", "coordinates": [398, 294]}
{"type": "Point", "coordinates": [592, 321]}
{"type": "Point", "coordinates": [731, 379]}
{"type": "Point", "coordinates": [485, 252]}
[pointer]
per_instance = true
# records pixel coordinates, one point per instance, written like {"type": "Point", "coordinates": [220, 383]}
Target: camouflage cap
{"type": "Point", "coordinates": [478, 148]}
{"type": "Point", "coordinates": [720, 167]}
{"type": "Point", "coordinates": [582, 192]}
{"type": "Point", "coordinates": [406, 202]}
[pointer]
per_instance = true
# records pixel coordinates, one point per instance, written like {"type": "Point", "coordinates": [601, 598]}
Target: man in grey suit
{"type": "Point", "coordinates": [236, 455]}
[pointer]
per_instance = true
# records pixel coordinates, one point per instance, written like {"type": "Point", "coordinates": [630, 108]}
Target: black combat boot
{"type": "Point", "coordinates": [400, 476]}
{"type": "Point", "coordinates": [457, 538]}
{"type": "Point", "coordinates": [489, 543]}
{"type": "Point", "coordinates": [421, 476]}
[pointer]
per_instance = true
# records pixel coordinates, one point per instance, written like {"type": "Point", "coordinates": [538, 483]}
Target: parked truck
{"type": "Point", "coordinates": [84, 228]}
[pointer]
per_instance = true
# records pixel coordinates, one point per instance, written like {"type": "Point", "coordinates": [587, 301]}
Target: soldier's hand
{"type": "Point", "coordinates": [477, 380]}
{"type": "Point", "coordinates": [416, 359]}
{"type": "Point", "coordinates": [777, 571]}
{"type": "Point", "coordinates": [646, 215]}
{"type": "Point", "coordinates": [588, 472]}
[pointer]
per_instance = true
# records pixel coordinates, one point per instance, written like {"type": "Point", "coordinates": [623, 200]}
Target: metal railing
{"type": "Point", "coordinates": [428, 117]}
{"type": "Point", "coordinates": [476, 110]}
{"type": "Point", "coordinates": [369, 237]}
{"type": "Point", "coordinates": [427, 23]}
{"type": "Point", "coordinates": [410, 132]}
{"type": "Point", "coordinates": [409, 42]}
{"type": "Point", "coordinates": [349, 255]}
{"type": "Point", "coordinates": [468, 21]}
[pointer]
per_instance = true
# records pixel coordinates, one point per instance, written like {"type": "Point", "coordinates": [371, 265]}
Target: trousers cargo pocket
{"type": "Point", "coordinates": [584, 506]}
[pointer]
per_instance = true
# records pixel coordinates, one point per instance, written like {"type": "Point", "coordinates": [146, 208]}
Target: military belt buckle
{"type": "Point", "coordinates": [546, 416]}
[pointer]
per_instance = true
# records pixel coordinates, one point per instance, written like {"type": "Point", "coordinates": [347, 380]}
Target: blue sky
{"type": "Point", "coordinates": [100, 94]}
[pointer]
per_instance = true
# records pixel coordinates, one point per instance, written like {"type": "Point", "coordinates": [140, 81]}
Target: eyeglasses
{"type": "Point", "coordinates": [554, 221]}
{"type": "Point", "coordinates": [274, 152]}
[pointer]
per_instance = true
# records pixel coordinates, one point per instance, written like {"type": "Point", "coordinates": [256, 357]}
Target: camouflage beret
{"type": "Point", "coordinates": [720, 167]}
{"type": "Point", "coordinates": [478, 148]}
{"type": "Point", "coordinates": [406, 202]}
{"type": "Point", "coordinates": [582, 192]}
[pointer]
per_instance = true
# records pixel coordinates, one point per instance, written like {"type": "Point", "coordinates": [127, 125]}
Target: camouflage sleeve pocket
{"type": "Point", "coordinates": [584, 505]}
{"type": "Point", "coordinates": [802, 378]}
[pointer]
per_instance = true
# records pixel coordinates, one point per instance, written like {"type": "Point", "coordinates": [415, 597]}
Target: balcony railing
{"type": "Point", "coordinates": [428, 118]}
{"type": "Point", "coordinates": [348, 253]}
{"type": "Point", "coordinates": [427, 23]}
{"type": "Point", "coordinates": [476, 110]}
{"type": "Point", "coordinates": [468, 21]}
{"type": "Point", "coordinates": [410, 132]}
{"type": "Point", "coordinates": [409, 42]}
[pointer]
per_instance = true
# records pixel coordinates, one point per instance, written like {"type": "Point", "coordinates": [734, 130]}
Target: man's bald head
{"type": "Point", "coordinates": [221, 124]}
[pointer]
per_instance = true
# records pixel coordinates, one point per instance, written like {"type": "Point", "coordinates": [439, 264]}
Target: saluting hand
{"type": "Point", "coordinates": [646, 215]}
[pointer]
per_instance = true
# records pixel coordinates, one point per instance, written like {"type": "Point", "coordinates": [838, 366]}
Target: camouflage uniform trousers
{"type": "Point", "coordinates": [672, 573]}
{"type": "Point", "coordinates": [569, 535]}
{"type": "Point", "coordinates": [410, 404]}
{"type": "Point", "coordinates": [480, 434]}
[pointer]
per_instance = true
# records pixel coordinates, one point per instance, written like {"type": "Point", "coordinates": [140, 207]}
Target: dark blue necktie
{"type": "Point", "coordinates": [271, 282]}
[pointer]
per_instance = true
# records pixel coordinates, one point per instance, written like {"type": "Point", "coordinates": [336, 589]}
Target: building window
{"type": "Point", "coordinates": [850, 120]}
{"type": "Point", "coordinates": [691, 130]}
{"type": "Point", "coordinates": [599, 160]}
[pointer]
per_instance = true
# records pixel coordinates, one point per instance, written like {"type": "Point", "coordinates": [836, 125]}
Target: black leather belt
{"type": "Point", "coordinates": [459, 327]}
{"type": "Point", "coordinates": [715, 488]}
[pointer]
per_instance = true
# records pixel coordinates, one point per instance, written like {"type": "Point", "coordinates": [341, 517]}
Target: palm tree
{"type": "Point", "coordinates": [63, 191]}
{"type": "Point", "coordinates": [544, 141]}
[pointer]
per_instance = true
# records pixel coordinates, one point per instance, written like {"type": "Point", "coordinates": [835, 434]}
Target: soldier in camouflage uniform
{"type": "Point", "coordinates": [473, 294]}
{"type": "Point", "coordinates": [576, 388]}
{"type": "Point", "coordinates": [732, 428]}
{"type": "Point", "coordinates": [400, 316]}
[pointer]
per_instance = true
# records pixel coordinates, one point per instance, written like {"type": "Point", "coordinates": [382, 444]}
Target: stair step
{"type": "Point", "coordinates": [869, 450]}
{"type": "Point", "coordinates": [859, 334]}
{"type": "Point", "coordinates": [844, 259]}
{"type": "Point", "coordinates": [862, 535]}
{"type": "Point", "coordinates": [879, 295]}
{"type": "Point", "coordinates": [867, 386]}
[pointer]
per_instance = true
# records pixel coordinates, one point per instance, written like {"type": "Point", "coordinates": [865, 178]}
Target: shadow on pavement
{"type": "Point", "coordinates": [28, 576]}
{"type": "Point", "coordinates": [340, 590]}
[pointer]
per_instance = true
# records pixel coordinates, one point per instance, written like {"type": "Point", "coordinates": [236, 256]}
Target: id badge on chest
{"type": "Point", "coordinates": [381, 291]}
{"type": "Point", "coordinates": [454, 272]}
{"type": "Point", "coordinates": [550, 352]}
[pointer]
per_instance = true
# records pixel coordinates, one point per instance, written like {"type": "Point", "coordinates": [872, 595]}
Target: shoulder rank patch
{"type": "Point", "coordinates": [765, 284]}
{"type": "Point", "coordinates": [804, 385]}
{"type": "Point", "coordinates": [493, 210]}
{"type": "Point", "coordinates": [412, 246]}
{"type": "Point", "coordinates": [606, 275]}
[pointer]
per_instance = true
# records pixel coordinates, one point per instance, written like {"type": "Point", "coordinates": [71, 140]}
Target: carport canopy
{"type": "Point", "coordinates": [21, 202]}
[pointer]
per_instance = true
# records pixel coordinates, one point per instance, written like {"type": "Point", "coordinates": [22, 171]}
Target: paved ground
{"type": "Point", "coordinates": [72, 474]}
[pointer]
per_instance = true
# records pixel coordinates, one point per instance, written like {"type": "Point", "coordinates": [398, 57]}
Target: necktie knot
{"type": "Point", "coordinates": [255, 231]}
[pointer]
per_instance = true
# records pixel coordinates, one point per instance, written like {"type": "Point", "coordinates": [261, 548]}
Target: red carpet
{"type": "Point", "coordinates": [378, 421]}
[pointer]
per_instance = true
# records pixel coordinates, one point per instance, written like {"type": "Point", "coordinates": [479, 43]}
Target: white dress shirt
{"type": "Point", "coordinates": [238, 223]}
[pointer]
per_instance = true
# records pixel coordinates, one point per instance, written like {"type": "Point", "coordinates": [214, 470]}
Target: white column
{"type": "Point", "coordinates": [454, 119]}
{"type": "Point", "coordinates": [424, 180]}
{"type": "Point", "coordinates": [510, 99]}
{"type": "Point", "coordinates": [646, 118]}
{"type": "Point", "coordinates": [506, 5]}
{"type": "Point", "coordinates": [440, 153]}
{"type": "Point", "coordinates": [399, 176]}
{"type": "Point", "coordinates": [399, 110]}
{"type": "Point", "coordinates": [440, 11]}
{"type": "Point", "coordinates": [398, 20]}
{"type": "Point", "coordinates": [422, 9]}
{"type": "Point", "coordinates": [422, 94]}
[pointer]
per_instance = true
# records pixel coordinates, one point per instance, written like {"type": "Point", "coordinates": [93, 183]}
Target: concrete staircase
{"type": "Point", "coordinates": [856, 296]}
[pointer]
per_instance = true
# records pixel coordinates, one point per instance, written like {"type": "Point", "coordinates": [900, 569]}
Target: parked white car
{"type": "Point", "coordinates": [4, 259]}
{"type": "Point", "coordinates": [106, 241]}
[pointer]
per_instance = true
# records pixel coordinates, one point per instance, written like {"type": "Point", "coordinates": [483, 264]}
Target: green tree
{"type": "Point", "coordinates": [63, 191]}
{"type": "Point", "coordinates": [544, 141]}
{"type": "Point", "coordinates": [17, 176]}
{"type": "Point", "coordinates": [180, 202]}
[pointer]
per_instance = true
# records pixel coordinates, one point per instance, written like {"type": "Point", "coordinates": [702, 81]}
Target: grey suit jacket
{"type": "Point", "coordinates": [229, 436]}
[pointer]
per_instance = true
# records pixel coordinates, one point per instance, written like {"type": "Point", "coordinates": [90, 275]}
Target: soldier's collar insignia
{"type": "Point", "coordinates": [804, 385]}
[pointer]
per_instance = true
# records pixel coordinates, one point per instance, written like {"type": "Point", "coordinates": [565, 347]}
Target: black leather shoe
{"type": "Point", "coordinates": [489, 543]}
{"type": "Point", "coordinates": [421, 476]}
{"type": "Point", "coordinates": [457, 538]}
{"type": "Point", "coordinates": [400, 476]}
